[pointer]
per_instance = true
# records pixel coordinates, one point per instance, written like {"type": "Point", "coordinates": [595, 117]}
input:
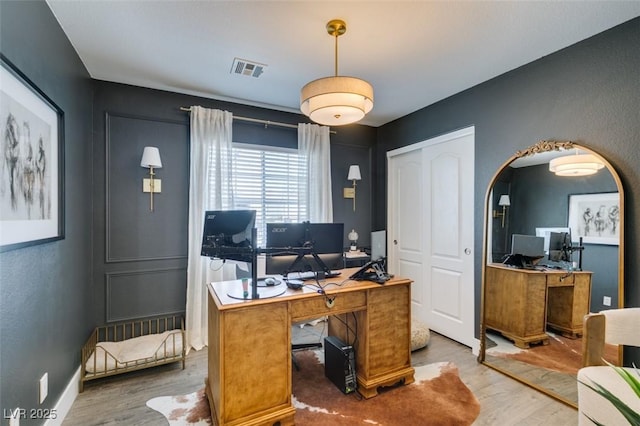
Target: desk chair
{"type": "Point", "coordinates": [614, 326]}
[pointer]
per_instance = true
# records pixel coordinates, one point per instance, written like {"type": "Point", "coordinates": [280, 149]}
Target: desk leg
{"type": "Point", "coordinates": [249, 380]}
{"type": "Point", "coordinates": [568, 305]}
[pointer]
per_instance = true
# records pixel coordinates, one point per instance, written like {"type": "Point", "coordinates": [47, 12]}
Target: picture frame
{"type": "Point", "coordinates": [31, 164]}
{"type": "Point", "coordinates": [595, 218]}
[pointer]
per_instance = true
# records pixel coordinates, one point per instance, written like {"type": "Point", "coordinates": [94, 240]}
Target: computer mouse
{"type": "Point", "coordinates": [270, 281]}
{"type": "Point", "coordinates": [294, 284]}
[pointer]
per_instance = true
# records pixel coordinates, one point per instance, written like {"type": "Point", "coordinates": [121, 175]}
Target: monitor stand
{"type": "Point", "coordinates": [261, 293]}
{"type": "Point", "coordinates": [243, 293]}
{"type": "Point", "coordinates": [520, 261]}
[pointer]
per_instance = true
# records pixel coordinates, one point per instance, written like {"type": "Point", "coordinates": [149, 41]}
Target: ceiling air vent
{"type": "Point", "coordinates": [248, 68]}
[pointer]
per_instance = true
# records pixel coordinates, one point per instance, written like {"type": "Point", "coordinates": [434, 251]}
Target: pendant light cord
{"type": "Point", "coordinates": [336, 59]}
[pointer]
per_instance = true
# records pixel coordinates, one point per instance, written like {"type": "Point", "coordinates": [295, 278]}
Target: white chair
{"type": "Point", "coordinates": [614, 326]}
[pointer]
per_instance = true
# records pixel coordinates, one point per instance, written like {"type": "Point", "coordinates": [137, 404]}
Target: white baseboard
{"type": "Point", "coordinates": [475, 347]}
{"type": "Point", "coordinates": [63, 405]}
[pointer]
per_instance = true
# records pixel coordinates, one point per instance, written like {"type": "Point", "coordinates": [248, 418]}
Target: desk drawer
{"type": "Point", "coordinates": [317, 306]}
{"type": "Point", "coordinates": [559, 280]}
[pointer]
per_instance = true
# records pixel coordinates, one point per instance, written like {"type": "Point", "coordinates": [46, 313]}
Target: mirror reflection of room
{"type": "Point", "coordinates": [540, 201]}
{"type": "Point", "coordinates": [548, 265]}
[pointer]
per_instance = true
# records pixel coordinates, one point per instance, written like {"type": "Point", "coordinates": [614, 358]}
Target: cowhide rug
{"type": "Point", "coordinates": [562, 354]}
{"type": "Point", "coordinates": [437, 397]}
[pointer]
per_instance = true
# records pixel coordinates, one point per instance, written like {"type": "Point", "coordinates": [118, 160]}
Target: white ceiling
{"type": "Point", "coordinates": [414, 53]}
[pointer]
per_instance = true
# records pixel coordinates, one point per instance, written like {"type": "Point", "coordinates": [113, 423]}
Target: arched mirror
{"type": "Point", "coordinates": [553, 253]}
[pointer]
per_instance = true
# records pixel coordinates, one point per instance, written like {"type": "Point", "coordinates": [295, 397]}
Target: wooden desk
{"type": "Point", "coordinates": [522, 303]}
{"type": "Point", "coordinates": [249, 360]}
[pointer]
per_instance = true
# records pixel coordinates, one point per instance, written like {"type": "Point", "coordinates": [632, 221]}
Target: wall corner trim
{"type": "Point", "coordinates": [64, 403]}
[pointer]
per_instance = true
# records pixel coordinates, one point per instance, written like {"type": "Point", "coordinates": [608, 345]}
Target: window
{"type": "Point", "coordinates": [272, 181]}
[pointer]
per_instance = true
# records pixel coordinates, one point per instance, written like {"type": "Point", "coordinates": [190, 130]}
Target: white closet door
{"type": "Point", "coordinates": [431, 230]}
{"type": "Point", "coordinates": [405, 239]}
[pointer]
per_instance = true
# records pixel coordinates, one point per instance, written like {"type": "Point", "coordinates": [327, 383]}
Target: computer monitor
{"type": "Point", "coordinates": [230, 235]}
{"type": "Point", "coordinates": [304, 247]}
{"type": "Point", "coordinates": [378, 245]}
{"type": "Point", "coordinates": [545, 232]}
{"type": "Point", "coordinates": [527, 245]}
{"type": "Point", "coordinates": [227, 234]}
{"type": "Point", "coordinates": [525, 251]}
{"type": "Point", "coordinates": [560, 246]}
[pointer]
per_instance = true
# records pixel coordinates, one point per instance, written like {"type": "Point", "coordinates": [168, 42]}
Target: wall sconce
{"type": "Point", "coordinates": [354, 175]}
{"type": "Point", "coordinates": [151, 160]}
{"type": "Point", "coordinates": [504, 202]}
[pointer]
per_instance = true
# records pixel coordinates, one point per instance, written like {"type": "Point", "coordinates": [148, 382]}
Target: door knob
{"type": "Point", "coordinates": [467, 251]}
{"type": "Point", "coordinates": [395, 242]}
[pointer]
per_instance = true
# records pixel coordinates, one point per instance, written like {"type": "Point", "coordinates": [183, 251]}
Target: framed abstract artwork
{"type": "Point", "coordinates": [31, 164]}
{"type": "Point", "coordinates": [595, 218]}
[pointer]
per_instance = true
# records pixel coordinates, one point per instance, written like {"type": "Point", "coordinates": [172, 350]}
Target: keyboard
{"type": "Point", "coordinates": [310, 275]}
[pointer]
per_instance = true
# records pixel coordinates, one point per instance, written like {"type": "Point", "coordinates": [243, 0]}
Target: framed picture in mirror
{"type": "Point", "coordinates": [595, 218]}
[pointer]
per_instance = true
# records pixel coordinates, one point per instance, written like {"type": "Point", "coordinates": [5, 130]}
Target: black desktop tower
{"type": "Point", "coordinates": [340, 364]}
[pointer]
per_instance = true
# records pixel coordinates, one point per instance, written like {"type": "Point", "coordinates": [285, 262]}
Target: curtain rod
{"type": "Point", "coordinates": [257, 120]}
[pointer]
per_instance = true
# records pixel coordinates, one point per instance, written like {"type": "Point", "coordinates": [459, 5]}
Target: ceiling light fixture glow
{"type": "Point", "coordinates": [575, 165]}
{"type": "Point", "coordinates": [336, 101]}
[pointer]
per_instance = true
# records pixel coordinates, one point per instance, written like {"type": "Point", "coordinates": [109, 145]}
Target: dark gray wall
{"type": "Point", "coordinates": [45, 290]}
{"type": "Point", "coordinates": [140, 257]}
{"type": "Point", "coordinates": [588, 93]}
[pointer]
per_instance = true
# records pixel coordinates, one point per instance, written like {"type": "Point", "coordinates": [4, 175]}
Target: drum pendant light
{"type": "Point", "coordinates": [336, 101]}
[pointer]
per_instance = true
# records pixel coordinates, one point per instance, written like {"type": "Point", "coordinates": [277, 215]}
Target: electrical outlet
{"type": "Point", "coordinates": [606, 301]}
{"type": "Point", "coordinates": [44, 387]}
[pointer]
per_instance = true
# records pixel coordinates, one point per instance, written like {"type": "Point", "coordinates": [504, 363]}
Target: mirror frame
{"type": "Point", "coordinates": [540, 147]}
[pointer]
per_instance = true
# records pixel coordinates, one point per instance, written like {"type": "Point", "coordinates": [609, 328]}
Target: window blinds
{"type": "Point", "coordinates": [271, 181]}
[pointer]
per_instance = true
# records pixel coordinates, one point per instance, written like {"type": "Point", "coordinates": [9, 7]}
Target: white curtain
{"type": "Point", "coordinates": [313, 141]}
{"type": "Point", "coordinates": [209, 189]}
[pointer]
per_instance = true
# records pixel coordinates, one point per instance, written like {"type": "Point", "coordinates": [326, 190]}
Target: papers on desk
{"type": "Point", "coordinates": [355, 254]}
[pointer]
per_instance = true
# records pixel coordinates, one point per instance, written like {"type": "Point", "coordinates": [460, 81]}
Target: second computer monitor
{"type": "Point", "coordinates": [378, 245]}
{"type": "Point", "coordinates": [287, 242]}
{"type": "Point", "coordinates": [228, 234]}
{"type": "Point", "coordinates": [560, 246]}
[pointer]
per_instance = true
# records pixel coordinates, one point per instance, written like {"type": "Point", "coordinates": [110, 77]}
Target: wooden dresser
{"type": "Point", "coordinates": [522, 303]}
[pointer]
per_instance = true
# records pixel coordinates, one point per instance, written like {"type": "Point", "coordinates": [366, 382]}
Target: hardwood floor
{"type": "Point", "coordinates": [121, 400]}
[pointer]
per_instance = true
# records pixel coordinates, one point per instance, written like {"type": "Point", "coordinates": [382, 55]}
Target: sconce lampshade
{"type": "Point", "coordinates": [354, 173]}
{"type": "Point", "coordinates": [575, 165]}
{"type": "Point", "coordinates": [504, 200]}
{"type": "Point", "coordinates": [151, 157]}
